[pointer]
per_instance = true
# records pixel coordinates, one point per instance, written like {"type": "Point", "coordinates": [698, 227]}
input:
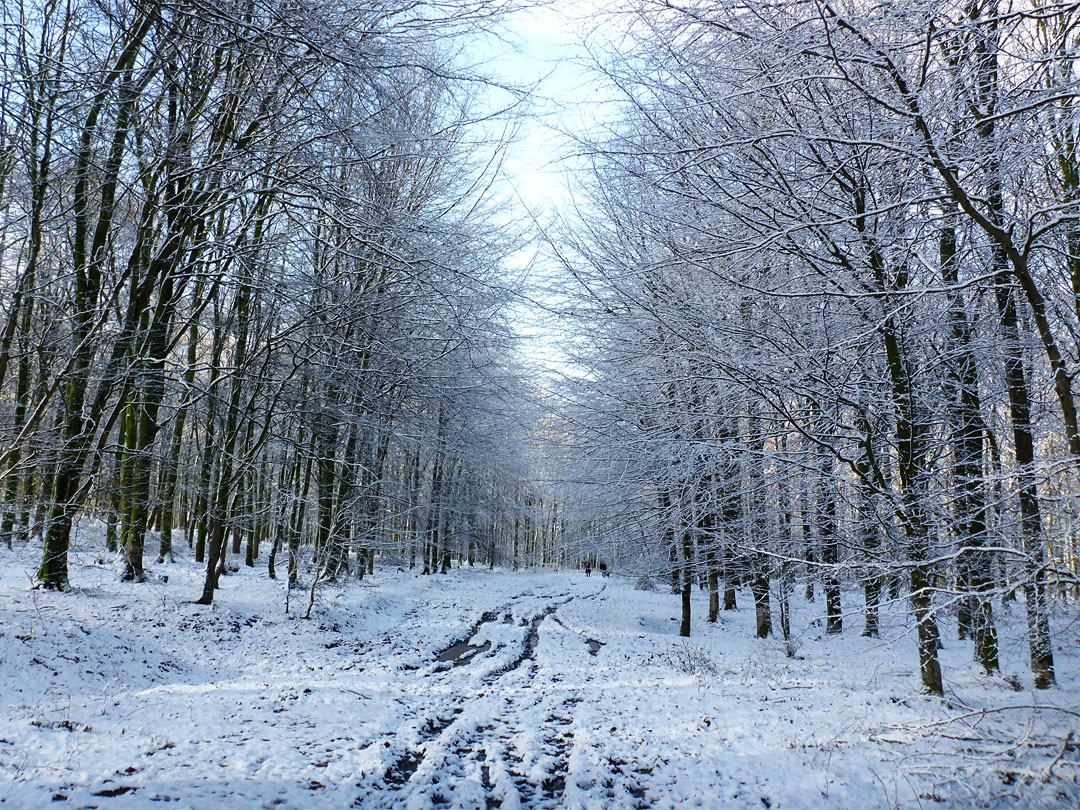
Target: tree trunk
{"type": "Point", "coordinates": [829, 541]}
{"type": "Point", "coordinates": [1041, 651]}
{"type": "Point", "coordinates": [687, 582]}
{"type": "Point", "coordinates": [975, 566]}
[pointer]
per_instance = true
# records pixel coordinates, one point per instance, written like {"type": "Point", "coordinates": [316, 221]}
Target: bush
{"type": "Point", "coordinates": [692, 660]}
{"type": "Point", "coordinates": [645, 583]}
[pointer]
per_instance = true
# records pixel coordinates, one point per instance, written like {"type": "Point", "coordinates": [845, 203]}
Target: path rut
{"type": "Point", "coordinates": [491, 752]}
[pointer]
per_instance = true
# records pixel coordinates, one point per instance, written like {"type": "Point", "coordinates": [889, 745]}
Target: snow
{"type": "Point", "coordinates": [127, 695]}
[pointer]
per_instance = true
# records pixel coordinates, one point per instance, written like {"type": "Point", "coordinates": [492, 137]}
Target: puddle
{"type": "Point", "coordinates": [462, 653]}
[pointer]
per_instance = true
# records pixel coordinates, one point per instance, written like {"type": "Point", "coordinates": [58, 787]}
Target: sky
{"type": "Point", "coordinates": [549, 51]}
{"type": "Point", "coordinates": [545, 47]}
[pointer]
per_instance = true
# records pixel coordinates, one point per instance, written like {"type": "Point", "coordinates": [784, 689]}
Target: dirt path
{"type": "Point", "coordinates": [484, 690]}
{"type": "Point", "coordinates": [505, 746]}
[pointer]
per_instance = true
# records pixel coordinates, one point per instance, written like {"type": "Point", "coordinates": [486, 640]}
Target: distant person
{"type": "Point", "coordinates": [588, 569]}
{"type": "Point", "coordinates": [604, 572]}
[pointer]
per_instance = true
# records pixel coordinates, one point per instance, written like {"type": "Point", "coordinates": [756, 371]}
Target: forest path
{"type": "Point", "coordinates": [483, 689]}
{"type": "Point", "coordinates": [509, 744]}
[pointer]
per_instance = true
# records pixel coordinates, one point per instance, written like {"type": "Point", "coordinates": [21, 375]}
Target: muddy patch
{"type": "Point", "coordinates": [462, 653]}
{"type": "Point", "coordinates": [528, 649]}
{"type": "Point", "coordinates": [402, 770]}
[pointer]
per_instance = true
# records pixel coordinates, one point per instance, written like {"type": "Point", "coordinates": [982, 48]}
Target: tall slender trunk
{"type": "Point", "coordinates": [829, 544]}
{"type": "Point", "coordinates": [22, 308]}
{"type": "Point", "coordinates": [687, 569]}
{"type": "Point", "coordinates": [707, 525]}
{"type": "Point", "coordinates": [867, 528]}
{"type": "Point", "coordinates": [171, 464]}
{"type": "Point", "coordinates": [209, 468]}
{"type": "Point", "coordinates": [226, 479]}
{"type": "Point", "coordinates": [975, 566]}
{"type": "Point", "coordinates": [787, 543]}
{"type": "Point", "coordinates": [757, 523]}
{"type": "Point", "coordinates": [1041, 650]}
{"type": "Point", "coordinates": [296, 520]}
{"type": "Point", "coordinates": [1006, 258]}
{"type": "Point", "coordinates": [807, 526]}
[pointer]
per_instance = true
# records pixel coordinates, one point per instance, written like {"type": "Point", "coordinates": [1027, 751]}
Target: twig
{"type": "Point", "coordinates": [1048, 771]}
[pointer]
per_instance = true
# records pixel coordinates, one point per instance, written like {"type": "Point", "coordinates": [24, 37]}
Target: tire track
{"type": "Point", "coordinates": [480, 748]}
{"type": "Point", "coordinates": [444, 738]}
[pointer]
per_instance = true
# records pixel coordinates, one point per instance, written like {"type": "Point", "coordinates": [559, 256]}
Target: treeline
{"type": "Point", "coordinates": [831, 267]}
{"type": "Point", "coordinates": [252, 286]}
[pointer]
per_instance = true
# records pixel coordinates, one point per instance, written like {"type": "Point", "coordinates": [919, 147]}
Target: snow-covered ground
{"type": "Point", "coordinates": [572, 693]}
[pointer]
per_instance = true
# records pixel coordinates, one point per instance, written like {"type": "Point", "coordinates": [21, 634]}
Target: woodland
{"type": "Point", "coordinates": [809, 327]}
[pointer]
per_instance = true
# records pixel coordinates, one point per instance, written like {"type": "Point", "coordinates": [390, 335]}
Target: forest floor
{"type": "Point", "coordinates": [493, 689]}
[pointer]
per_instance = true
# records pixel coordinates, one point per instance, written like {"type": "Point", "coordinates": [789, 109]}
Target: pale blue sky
{"type": "Point", "coordinates": [546, 46]}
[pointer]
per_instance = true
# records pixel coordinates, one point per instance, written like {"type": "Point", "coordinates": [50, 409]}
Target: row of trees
{"type": "Point", "coordinates": [832, 257]}
{"type": "Point", "coordinates": [253, 288]}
